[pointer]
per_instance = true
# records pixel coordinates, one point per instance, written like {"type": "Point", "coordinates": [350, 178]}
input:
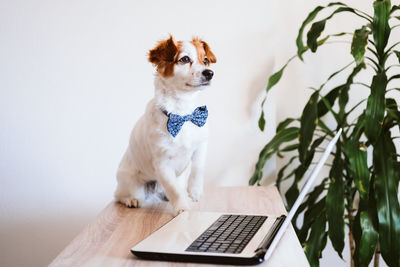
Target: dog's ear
{"type": "Point", "coordinates": [209, 54]}
{"type": "Point", "coordinates": [163, 56]}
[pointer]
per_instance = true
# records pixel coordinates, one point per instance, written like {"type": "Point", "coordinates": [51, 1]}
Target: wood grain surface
{"type": "Point", "coordinates": [108, 239]}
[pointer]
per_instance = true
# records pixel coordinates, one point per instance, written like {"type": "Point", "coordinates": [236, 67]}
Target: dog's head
{"type": "Point", "coordinates": [183, 64]}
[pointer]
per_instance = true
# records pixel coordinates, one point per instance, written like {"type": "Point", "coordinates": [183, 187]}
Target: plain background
{"type": "Point", "coordinates": [74, 78]}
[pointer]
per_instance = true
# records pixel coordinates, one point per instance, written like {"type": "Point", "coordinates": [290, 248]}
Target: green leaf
{"type": "Point", "coordinates": [282, 172]}
{"type": "Point", "coordinates": [375, 110]}
{"type": "Point", "coordinates": [327, 101]}
{"type": "Point", "coordinates": [261, 121]}
{"type": "Point", "coordinates": [358, 128]}
{"type": "Point", "coordinates": [256, 177]}
{"type": "Point", "coordinates": [334, 74]}
{"type": "Point", "coordinates": [325, 128]}
{"type": "Point", "coordinates": [314, 33]}
{"type": "Point", "coordinates": [380, 25]}
{"type": "Point", "coordinates": [344, 93]}
{"type": "Point", "coordinates": [286, 135]}
{"type": "Point", "coordinates": [394, 8]}
{"type": "Point", "coordinates": [317, 28]}
{"type": "Point", "coordinates": [311, 214]}
{"type": "Point", "coordinates": [397, 76]}
{"type": "Point", "coordinates": [392, 110]}
{"type": "Point", "coordinates": [365, 228]}
{"type": "Point", "coordinates": [369, 236]}
{"type": "Point", "coordinates": [335, 204]}
{"type": "Point", "coordinates": [309, 203]}
{"type": "Point", "coordinates": [386, 196]}
{"type": "Point", "coordinates": [397, 54]}
{"type": "Point", "coordinates": [369, 239]}
{"type": "Point", "coordinates": [274, 78]}
{"type": "Point", "coordinates": [355, 106]}
{"type": "Point", "coordinates": [288, 175]}
{"type": "Point", "coordinates": [299, 41]}
{"type": "Point", "coordinates": [289, 148]}
{"type": "Point", "coordinates": [357, 156]}
{"type": "Point", "coordinates": [293, 191]}
{"type": "Point", "coordinates": [317, 241]}
{"type": "Point", "coordinates": [311, 16]}
{"type": "Point", "coordinates": [359, 43]}
{"type": "Point", "coordinates": [393, 116]}
{"type": "Point", "coordinates": [282, 125]}
{"type": "Point", "coordinates": [308, 122]}
{"type": "Point", "coordinates": [272, 81]}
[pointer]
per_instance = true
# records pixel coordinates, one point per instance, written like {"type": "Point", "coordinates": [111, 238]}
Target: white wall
{"type": "Point", "coordinates": [74, 79]}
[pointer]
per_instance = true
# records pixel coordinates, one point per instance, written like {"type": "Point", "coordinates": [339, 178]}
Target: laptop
{"type": "Point", "coordinates": [214, 237]}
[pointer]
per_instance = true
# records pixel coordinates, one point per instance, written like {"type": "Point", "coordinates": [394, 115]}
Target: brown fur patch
{"type": "Point", "coordinates": [203, 51]}
{"type": "Point", "coordinates": [164, 56]}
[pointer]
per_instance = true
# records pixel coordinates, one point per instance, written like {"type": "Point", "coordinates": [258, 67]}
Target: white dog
{"type": "Point", "coordinates": [170, 139]}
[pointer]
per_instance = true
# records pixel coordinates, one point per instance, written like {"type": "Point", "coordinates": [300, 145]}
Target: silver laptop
{"type": "Point", "coordinates": [214, 237]}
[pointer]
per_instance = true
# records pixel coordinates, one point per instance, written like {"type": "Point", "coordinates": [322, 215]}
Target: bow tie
{"type": "Point", "coordinates": [175, 121]}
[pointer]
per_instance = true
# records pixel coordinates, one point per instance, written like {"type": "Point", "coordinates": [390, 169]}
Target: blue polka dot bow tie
{"type": "Point", "coordinates": [175, 121]}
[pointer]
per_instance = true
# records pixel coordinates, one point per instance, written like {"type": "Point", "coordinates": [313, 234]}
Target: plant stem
{"type": "Point", "coordinates": [377, 254]}
{"type": "Point", "coordinates": [351, 240]}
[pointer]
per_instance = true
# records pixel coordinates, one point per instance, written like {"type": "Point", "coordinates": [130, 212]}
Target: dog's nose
{"type": "Point", "coordinates": [208, 74]}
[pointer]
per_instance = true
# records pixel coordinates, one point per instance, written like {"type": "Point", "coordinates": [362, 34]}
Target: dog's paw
{"type": "Point", "coordinates": [178, 209]}
{"type": "Point", "coordinates": [179, 212]}
{"type": "Point", "coordinates": [130, 202]}
{"type": "Point", "coordinates": [195, 193]}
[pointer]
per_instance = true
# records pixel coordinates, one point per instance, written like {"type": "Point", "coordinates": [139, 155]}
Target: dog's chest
{"type": "Point", "coordinates": [186, 141]}
{"type": "Point", "coordinates": [189, 137]}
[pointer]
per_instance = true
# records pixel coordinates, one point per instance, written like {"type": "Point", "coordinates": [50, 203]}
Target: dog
{"type": "Point", "coordinates": [168, 145]}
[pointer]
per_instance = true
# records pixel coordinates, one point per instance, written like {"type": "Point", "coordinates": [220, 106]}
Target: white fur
{"type": "Point", "coordinates": [154, 154]}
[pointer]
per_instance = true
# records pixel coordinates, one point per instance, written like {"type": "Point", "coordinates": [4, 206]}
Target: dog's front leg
{"type": "Point", "coordinates": [175, 192]}
{"type": "Point", "coordinates": [196, 180]}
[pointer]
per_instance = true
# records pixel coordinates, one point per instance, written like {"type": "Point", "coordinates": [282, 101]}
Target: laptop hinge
{"type": "Point", "coordinates": [266, 242]}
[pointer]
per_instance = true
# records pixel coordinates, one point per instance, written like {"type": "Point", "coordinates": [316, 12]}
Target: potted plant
{"type": "Point", "coordinates": [361, 190]}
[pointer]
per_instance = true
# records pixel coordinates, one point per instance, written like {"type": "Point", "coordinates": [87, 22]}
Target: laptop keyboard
{"type": "Point", "coordinates": [229, 234]}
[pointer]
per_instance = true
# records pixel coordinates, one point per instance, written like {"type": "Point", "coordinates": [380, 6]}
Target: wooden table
{"type": "Point", "coordinates": [107, 240]}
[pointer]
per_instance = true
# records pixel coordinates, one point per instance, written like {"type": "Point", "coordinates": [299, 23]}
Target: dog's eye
{"type": "Point", "coordinates": [185, 60]}
{"type": "Point", "coordinates": [205, 61]}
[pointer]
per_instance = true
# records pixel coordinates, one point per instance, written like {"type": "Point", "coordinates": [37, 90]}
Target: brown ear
{"type": "Point", "coordinates": [209, 54]}
{"type": "Point", "coordinates": [163, 56]}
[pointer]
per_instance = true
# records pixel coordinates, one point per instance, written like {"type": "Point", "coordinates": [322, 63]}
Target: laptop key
{"type": "Point", "coordinates": [231, 250]}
